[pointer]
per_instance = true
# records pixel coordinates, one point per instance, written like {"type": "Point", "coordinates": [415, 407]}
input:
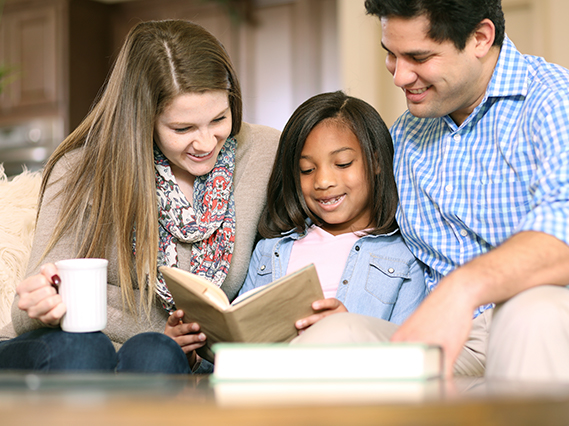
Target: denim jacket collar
{"type": "Point", "coordinates": [292, 234]}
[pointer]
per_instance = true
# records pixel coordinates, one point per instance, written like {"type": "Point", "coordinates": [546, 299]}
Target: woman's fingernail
{"type": "Point", "coordinates": [201, 336]}
{"type": "Point", "coordinates": [56, 280]}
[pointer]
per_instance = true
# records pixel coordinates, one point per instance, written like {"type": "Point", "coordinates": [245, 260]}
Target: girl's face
{"type": "Point", "coordinates": [333, 178]}
{"type": "Point", "coordinates": [191, 132]}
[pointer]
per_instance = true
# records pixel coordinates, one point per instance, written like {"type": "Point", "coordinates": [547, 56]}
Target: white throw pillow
{"type": "Point", "coordinates": [18, 208]}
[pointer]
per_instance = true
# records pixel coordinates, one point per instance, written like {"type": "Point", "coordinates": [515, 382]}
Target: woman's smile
{"type": "Point", "coordinates": [201, 157]}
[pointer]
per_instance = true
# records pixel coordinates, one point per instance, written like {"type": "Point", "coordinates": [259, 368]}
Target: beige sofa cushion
{"type": "Point", "coordinates": [18, 207]}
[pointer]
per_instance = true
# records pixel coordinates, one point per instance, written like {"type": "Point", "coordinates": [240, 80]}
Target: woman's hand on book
{"type": "Point", "coordinates": [187, 335]}
{"type": "Point", "coordinates": [39, 296]}
{"type": "Point", "coordinates": [325, 307]}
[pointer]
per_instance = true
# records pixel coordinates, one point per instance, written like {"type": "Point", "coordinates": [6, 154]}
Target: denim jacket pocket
{"type": "Point", "coordinates": [385, 277]}
{"type": "Point", "coordinates": [263, 272]}
{"type": "Point", "coordinates": [265, 266]}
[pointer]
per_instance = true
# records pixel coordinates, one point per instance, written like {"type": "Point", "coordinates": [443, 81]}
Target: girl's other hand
{"type": "Point", "coordinates": [326, 307]}
{"type": "Point", "coordinates": [187, 335]}
{"type": "Point", "coordinates": [39, 296]}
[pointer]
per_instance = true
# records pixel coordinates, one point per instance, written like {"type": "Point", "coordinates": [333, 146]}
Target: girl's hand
{"type": "Point", "coordinates": [187, 335]}
{"type": "Point", "coordinates": [39, 297]}
{"type": "Point", "coordinates": [326, 306]}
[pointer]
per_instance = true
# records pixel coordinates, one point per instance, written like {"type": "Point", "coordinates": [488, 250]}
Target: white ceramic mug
{"type": "Point", "coordinates": [83, 289]}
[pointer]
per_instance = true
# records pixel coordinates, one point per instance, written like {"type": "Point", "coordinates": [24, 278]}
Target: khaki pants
{"type": "Point", "coordinates": [529, 338]}
{"type": "Point", "coordinates": [526, 338]}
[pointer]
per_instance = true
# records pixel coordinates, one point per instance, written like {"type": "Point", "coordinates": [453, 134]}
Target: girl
{"type": "Point", "coordinates": [161, 172]}
{"type": "Point", "coordinates": [331, 201]}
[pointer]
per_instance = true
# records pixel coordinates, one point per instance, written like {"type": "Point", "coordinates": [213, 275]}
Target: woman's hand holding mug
{"type": "Point", "coordinates": [39, 296]}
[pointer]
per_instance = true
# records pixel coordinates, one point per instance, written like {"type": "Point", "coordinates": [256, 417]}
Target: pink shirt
{"type": "Point", "coordinates": [328, 253]}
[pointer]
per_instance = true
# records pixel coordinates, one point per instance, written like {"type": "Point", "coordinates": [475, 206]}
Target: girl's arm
{"type": "Point", "coordinates": [411, 294]}
{"type": "Point", "coordinates": [251, 281]}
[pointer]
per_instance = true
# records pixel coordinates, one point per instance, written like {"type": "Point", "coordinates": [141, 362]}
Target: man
{"type": "Point", "coordinates": [482, 166]}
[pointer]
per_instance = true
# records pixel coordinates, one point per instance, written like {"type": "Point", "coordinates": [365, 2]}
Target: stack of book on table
{"type": "Point", "coordinates": [281, 373]}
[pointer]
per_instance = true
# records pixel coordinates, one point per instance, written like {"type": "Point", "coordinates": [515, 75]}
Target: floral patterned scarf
{"type": "Point", "coordinates": [208, 223]}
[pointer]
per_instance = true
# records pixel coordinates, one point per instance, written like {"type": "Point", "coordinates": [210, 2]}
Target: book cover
{"type": "Point", "coordinates": [265, 314]}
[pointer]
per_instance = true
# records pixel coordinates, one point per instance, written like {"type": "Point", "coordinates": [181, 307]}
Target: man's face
{"type": "Point", "coordinates": [437, 78]}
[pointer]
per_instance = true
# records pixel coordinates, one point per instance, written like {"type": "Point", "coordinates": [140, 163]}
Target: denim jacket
{"type": "Point", "coordinates": [381, 278]}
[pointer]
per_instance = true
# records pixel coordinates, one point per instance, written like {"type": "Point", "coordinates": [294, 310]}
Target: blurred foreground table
{"type": "Point", "coordinates": [27, 399]}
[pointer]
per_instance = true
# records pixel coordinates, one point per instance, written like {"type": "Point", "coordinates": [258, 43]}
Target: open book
{"type": "Point", "coordinates": [265, 314]}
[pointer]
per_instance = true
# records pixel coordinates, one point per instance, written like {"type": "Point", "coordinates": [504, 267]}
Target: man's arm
{"type": "Point", "coordinates": [527, 259]}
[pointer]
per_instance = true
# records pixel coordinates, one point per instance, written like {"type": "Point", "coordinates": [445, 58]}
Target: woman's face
{"type": "Point", "coordinates": [191, 132]}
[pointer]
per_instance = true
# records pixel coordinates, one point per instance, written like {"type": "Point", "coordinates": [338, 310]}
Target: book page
{"type": "Point", "coordinates": [178, 278]}
{"type": "Point", "coordinates": [248, 294]}
{"type": "Point", "coordinates": [269, 315]}
{"type": "Point", "coordinates": [254, 291]}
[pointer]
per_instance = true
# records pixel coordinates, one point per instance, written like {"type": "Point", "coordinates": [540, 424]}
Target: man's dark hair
{"type": "Point", "coordinates": [453, 20]}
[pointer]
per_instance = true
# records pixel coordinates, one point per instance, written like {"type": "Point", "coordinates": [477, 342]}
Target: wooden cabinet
{"type": "Point", "coordinates": [65, 49]}
{"type": "Point", "coordinates": [60, 51]}
{"type": "Point", "coordinates": [29, 45]}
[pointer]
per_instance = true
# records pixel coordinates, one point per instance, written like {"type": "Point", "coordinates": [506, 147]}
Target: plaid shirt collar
{"type": "Point", "coordinates": [509, 78]}
{"type": "Point", "coordinates": [510, 75]}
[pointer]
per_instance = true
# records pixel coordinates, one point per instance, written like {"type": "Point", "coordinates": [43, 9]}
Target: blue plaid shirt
{"type": "Point", "coordinates": [464, 190]}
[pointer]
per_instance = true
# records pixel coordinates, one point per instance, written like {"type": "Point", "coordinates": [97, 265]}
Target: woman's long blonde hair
{"type": "Point", "coordinates": [111, 194]}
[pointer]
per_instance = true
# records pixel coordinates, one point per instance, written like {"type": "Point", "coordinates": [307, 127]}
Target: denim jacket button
{"type": "Point", "coordinates": [391, 270]}
{"type": "Point", "coordinates": [357, 248]}
{"type": "Point", "coordinates": [345, 282]}
{"type": "Point", "coordinates": [263, 267]}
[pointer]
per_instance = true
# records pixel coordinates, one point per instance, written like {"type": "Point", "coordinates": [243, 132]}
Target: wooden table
{"type": "Point", "coordinates": [162, 400]}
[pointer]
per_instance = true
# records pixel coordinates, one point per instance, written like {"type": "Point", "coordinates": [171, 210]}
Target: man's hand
{"type": "Point", "coordinates": [526, 260]}
{"type": "Point", "coordinates": [326, 307]}
{"type": "Point", "coordinates": [443, 319]}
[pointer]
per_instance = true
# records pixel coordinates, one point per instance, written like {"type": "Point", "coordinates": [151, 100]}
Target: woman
{"type": "Point", "coordinates": [161, 172]}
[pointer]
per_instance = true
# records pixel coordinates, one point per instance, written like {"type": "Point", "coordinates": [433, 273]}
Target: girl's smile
{"type": "Point", "coordinates": [332, 202]}
{"type": "Point", "coordinates": [333, 178]}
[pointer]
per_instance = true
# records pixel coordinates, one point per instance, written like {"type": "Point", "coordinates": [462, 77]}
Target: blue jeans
{"type": "Point", "coordinates": [54, 350]}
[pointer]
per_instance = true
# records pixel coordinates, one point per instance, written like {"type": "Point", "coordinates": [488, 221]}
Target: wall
{"type": "Point", "coordinates": [289, 55]}
{"type": "Point", "coordinates": [294, 56]}
{"type": "Point", "coordinates": [303, 47]}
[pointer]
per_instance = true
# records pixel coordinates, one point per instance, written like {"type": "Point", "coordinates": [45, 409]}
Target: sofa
{"type": "Point", "coordinates": [18, 209]}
